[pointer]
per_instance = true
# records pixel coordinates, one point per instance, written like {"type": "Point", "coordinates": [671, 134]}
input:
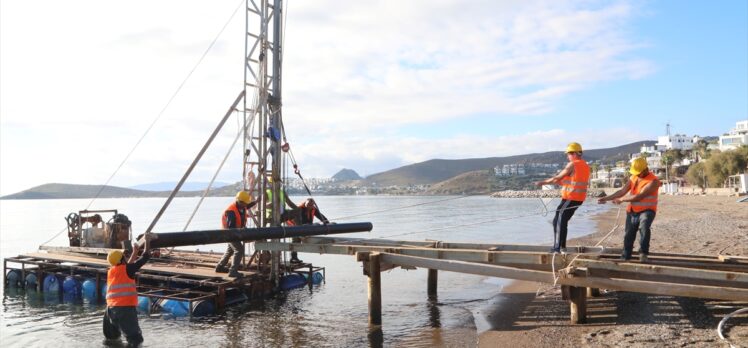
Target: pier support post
{"type": "Point", "coordinates": [593, 292]}
{"type": "Point", "coordinates": [375, 290]}
{"type": "Point", "coordinates": [432, 281]}
{"type": "Point", "coordinates": [578, 304]}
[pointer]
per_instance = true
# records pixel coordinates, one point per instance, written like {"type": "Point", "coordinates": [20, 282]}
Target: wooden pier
{"type": "Point", "coordinates": [181, 275]}
{"type": "Point", "coordinates": [581, 272]}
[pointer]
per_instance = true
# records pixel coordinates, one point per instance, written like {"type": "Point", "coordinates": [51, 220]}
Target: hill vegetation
{"type": "Point", "coordinates": [437, 170]}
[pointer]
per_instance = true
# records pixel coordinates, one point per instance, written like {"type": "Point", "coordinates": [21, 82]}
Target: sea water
{"type": "Point", "coordinates": [331, 314]}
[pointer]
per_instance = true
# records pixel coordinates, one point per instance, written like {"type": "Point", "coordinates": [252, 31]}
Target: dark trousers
{"type": "Point", "coordinates": [118, 320]}
{"type": "Point", "coordinates": [564, 212]}
{"type": "Point", "coordinates": [236, 249]}
{"type": "Point", "coordinates": [641, 222]}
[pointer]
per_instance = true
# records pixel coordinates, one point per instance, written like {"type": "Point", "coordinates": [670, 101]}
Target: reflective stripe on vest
{"type": "Point", "coordinates": [648, 202]}
{"type": "Point", "coordinates": [574, 186]}
{"type": "Point", "coordinates": [121, 289]}
{"type": "Point", "coordinates": [238, 217]}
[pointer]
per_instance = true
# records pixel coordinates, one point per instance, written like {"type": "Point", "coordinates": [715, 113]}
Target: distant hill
{"type": "Point", "coordinates": [47, 191]}
{"type": "Point", "coordinates": [437, 170]}
{"type": "Point", "coordinates": [346, 175]}
{"type": "Point", "coordinates": [475, 182]}
{"type": "Point", "coordinates": [169, 185]}
{"type": "Point", "coordinates": [70, 191]}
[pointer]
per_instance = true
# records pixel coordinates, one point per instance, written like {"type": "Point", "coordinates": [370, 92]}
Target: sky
{"type": "Point", "coordinates": [367, 85]}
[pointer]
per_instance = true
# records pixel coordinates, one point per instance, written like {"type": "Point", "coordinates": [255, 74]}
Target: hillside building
{"type": "Point", "coordinates": [737, 137]}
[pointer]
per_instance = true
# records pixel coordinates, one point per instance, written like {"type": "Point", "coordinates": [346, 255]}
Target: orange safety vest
{"type": "Point", "coordinates": [239, 217]}
{"type": "Point", "coordinates": [649, 202]}
{"type": "Point", "coordinates": [574, 186]}
{"type": "Point", "coordinates": [120, 288]}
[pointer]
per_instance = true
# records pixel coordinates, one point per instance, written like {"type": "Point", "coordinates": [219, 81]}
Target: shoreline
{"type": "Point", "coordinates": [534, 315]}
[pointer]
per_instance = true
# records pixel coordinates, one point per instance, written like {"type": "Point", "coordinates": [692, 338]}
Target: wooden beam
{"type": "Point", "coordinates": [613, 252]}
{"type": "Point", "coordinates": [432, 282]}
{"type": "Point", "coordinates": [659, 270]}
{"type": "Point", "coordinates": [375, 290]}
{"type": "Point", "coordinates": [659, 288]}
{"type": "Point", "coordinates": [578, 304]}
{"type": "Point", "coordinates": [493, 257]}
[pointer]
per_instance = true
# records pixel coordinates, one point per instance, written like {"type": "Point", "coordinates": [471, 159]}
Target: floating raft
{"type": "Point", "coordinates": [182, 283]}
{"type": "Point", "coordinates": [581, 271]}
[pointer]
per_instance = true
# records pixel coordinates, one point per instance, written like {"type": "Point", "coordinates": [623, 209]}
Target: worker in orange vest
{"type": "Point", "coordinates": [574, 180]}
{"type": "Point", "coordinates": [235, 216]}
{"type": "Point", "coordinates": [121, 315]}
{"type": "Point", "coordinates": [643, 188]}
{"type": "Point", "coordinates": [308, 210]}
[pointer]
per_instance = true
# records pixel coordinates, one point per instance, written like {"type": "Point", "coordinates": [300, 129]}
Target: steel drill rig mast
{"type": "Point", "coordinates": [263, 121]}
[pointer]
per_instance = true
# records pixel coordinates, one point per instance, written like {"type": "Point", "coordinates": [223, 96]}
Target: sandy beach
{"type": "Point", "coordinates": [536, 316]}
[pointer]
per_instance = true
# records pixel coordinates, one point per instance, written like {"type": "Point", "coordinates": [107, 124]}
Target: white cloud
{"type": "Point", "coordinates": [80, 84]}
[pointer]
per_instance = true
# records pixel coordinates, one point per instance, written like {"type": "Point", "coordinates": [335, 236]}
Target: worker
{"type": "Point", "coordinates": [235, 216]}
{"type": "Point", "coordinates": [286, 214]}
{"type": "Point", "coordinates": [574, 180]}
{"type": "Point", "coordinates": [309, 210]}
{"type": "Point", "coordinates": [643, 188]}
{"type": "Point", "coordinates": [121, 315]}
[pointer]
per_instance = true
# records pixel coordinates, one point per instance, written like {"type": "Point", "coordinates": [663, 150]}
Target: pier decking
{"type": "Point", "coordinates": [580, 272]}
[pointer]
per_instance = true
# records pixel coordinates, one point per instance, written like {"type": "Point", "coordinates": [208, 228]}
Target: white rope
{"type": "Point", "coordinates": [722, 325]}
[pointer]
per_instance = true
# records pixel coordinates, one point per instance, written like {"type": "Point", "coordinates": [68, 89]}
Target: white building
{"type": "Point", "coordinates": [677, 142]}
{"type": "Point", "coordinates": [737, 137]}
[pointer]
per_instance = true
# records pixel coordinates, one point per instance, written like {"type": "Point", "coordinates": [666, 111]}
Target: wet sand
{"type": "Point", "coordinates": [534, 315]}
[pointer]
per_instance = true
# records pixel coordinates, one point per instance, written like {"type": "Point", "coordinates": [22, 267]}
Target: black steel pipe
{"type": "Point", "coordinates": [174, 239]}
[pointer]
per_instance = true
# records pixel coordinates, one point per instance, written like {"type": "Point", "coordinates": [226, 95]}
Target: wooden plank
{"type": "Point", "coordinates": [198, 272]}
{"type": "Point", "coordinates": [492, 257]}
{"type": "Point", "coordinates": [613, 252]}
{"type": "Point", "coordinates": [655, 269]}
{"type": "Point", "coordinates": [659, 288]}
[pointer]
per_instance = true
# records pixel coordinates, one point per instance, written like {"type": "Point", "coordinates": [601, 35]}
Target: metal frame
{"type": "Point", "coordinates": [262, 153]}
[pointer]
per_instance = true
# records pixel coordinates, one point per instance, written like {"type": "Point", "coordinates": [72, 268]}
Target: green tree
{"type": "Point", "coordinates": [700, 150]}
{"type": "Point", "coordinates": [595, 168]}
{"type": "Point", "coordinates": [723, 164]}
{"type": "Point", "coordinates": [696, 175]}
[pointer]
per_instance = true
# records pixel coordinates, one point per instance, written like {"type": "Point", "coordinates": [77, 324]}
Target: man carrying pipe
{"type": "Point", "coordinates": [235, 216]}
{"type": "Point", "coordinates": [121, 314]}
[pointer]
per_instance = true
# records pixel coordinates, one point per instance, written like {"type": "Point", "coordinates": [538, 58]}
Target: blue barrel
{"type": "Point", "coordinates": [13, 278]}
{"type": "Point", "coordinates": [31, 280]}
{"type": "Point", "coordinates": [52, 284]}
{"type": "Point", "coordinates": [179, 308]}
{"type": "Point", "coordinates": [103, 291]}
{"type": "Point", "coordinates": [71, 287]}
{"type": "Point", "coordinates": [203, 308]}
{"type": "Point", "coordinates": [292, 281]}
{"type": "Point", "coordinates": [317, 277]}
{"type": "Point", "coordinates": [144, 304]}
{"type": "Point", "coordinates": [88, 289]}
{"type": "Point", "coordinates": [175, 307]}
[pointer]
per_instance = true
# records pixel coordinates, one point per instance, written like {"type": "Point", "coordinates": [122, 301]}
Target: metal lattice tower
{"type": "Point", "coordinates": [262, 111]}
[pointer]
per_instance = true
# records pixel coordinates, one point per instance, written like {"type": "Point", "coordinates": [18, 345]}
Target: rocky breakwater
{"type": "Point", "coordinates": [594, 193]}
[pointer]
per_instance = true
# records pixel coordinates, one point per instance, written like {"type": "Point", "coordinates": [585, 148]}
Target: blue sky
{"type": "Point", "coordinates": [367, 85]}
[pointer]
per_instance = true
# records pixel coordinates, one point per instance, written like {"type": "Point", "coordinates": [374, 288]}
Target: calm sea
{"type": "Point", "coordinates": [331, 314]}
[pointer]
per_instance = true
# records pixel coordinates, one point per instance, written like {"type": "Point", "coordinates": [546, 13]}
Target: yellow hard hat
{"type": "Point", "coordinates": [637, 166]}
{"type": "Point", "coordinates": [243, 196]}
{"type": "Point", "coordinates": [573, 147]}
{"type": "Point", "coordinates": [114, 257]}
